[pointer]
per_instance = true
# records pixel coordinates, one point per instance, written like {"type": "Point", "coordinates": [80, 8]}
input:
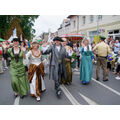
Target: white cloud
{"type": "Point", "coordinates": [46, 22]}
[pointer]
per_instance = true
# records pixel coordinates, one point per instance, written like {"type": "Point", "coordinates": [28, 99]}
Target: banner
{"type": "Point", "coordinates": [96, 41]}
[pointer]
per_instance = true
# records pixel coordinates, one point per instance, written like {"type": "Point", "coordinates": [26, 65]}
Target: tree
{"type": "Point", "coordinates": [22, 23]}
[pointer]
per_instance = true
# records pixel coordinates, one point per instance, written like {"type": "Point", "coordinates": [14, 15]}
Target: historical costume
{"type": "Point", "coordinates": [74, 57]}
{"type": "Point", "coordinates": [68, 68]}
{"type": "Point", "coordinates": [35, 73]}
{"type": "Point", "coordinates": [57, 62]}
{"type": "Point", "coordinates": [86, 64]}
{"type": "Point", "coordinates": [19, 81]}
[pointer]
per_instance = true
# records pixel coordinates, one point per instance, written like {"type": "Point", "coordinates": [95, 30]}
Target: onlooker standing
{"type": "Point", "coordinates": [1, 52]}
{"type": "Point", "coordinates": [78, 55]}
{"type": "Point", "coordinates": [70, 43]}
{"type": "Point", "coordinates": [116, 47]}
{"type": "Point", "coordinates": [117, 65]}
{"type": "Point", "coordinates": [102, 50]}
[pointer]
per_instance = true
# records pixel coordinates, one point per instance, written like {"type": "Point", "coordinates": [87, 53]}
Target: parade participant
{"type": "Point", "coordinates": [86, 65]}
{"type": "Point", "coordinates": [102, 50]}
{"type": "Point", "coordinates": [78, 55]}
{"type": "Point", "coordinates": [73, 61]}
{"type": "Point", "coordinates": [57, 62]}
{"type": "Point", "coordinates": [45, 59]}
{"type": "Point", "coordinates": [67, 64]}
{"type": "Point", "coordinates": [19, 82]}
{"type": "Point", "coordinates": [35, 71]}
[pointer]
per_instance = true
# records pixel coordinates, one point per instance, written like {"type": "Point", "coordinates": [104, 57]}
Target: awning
{"type": "Point", "coordinates": [73, 37]}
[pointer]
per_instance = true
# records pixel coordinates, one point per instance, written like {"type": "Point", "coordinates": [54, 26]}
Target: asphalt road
{"type": "Point", "coordinates": [96, 93]}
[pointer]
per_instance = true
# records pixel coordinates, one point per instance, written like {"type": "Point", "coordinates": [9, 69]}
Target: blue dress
{"type": "Point", "coordinates": [86, 65]}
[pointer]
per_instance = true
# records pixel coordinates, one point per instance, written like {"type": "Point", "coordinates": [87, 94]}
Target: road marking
{"type": "Point", "coordinates": [109, 88]}
{"type": "Point", "coordinates": [69, 95]}
{"type": "Point", "coordinates": [17, 99]}
{"type": "Point", "coordinates": [88, 100]}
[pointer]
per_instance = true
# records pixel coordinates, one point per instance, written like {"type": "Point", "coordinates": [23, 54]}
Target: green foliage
{"type": "Point", "coordinates": [26, 23]}
{"type": "Point", "coordinates": [4, 24]}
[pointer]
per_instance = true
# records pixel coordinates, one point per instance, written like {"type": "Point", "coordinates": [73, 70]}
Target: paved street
{"type": "Point", "coordinates": [96, 93]}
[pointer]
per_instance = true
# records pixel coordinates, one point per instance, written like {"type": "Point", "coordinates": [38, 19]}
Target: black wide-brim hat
{"type": "Point", "coordinates": [16, 39]}
{"type": "Point", "coordinates": [58, 39]}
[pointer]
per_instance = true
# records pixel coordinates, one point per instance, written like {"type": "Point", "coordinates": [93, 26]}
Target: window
{"type": "Point", "coordinates": [91, 18]}
{"type": "Point", "coordinates": [99, 17]}
{"type": "Point", "coordinates": [83, 20]}
{"type": "Point", "coordinates": [74, 24]}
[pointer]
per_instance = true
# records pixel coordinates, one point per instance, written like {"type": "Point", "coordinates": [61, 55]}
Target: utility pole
{"type": "Point", "coordinates": [97, 28]}
{"type": "Point", "coordinates": [77, 23]}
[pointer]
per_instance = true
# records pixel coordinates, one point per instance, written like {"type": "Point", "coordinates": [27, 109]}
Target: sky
{"type": "Point", "coordinates": [45, 22]}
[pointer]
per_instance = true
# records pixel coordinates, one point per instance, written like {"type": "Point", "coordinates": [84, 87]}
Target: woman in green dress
{"type": "Point", "coordinates": [86, 65]}
{"type": "Point", "coordinates": [19, 80]}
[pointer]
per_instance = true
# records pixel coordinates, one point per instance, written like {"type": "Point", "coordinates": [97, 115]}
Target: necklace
{"type": "Point", "coordinates": [36, 53]}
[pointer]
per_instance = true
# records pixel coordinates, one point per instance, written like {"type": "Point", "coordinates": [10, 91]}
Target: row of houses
{"type": "Point", "coordinates": [91, 26]}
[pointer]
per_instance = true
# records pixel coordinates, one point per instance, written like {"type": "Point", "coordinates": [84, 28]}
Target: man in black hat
{"type": "Point", "coordinates": [57, 62]}
{"type": "Point", "coordinates": [102, 51]}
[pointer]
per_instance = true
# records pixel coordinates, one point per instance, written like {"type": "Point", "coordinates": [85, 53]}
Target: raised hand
{"type": "Point", "coordinates": [4, 45]}
{"type": "Point", "coordinates": [23, 49]}
{"type": "Point", "coordinates": [44, 44]}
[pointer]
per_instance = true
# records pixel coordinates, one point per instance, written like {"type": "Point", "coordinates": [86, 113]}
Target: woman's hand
{"type": "Point", "coordinates": [4, 45]}
{"type": "Point", "coordinates": [23, 49]}
{"type": "Point", "coordinates": [72, 60]}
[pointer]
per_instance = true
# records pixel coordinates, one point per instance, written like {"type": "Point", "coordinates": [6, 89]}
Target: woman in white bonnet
{"type": "Point", "coordinates": [86, 62]}
{"type": "Point", "coordinates": [36, 71]}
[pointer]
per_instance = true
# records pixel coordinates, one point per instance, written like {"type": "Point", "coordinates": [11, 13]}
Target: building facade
{"type": "Point", "coordinates": [93, 25]}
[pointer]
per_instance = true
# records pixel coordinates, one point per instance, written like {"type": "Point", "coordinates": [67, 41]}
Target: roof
{"type": "Point", "coordinates": [71, 16]}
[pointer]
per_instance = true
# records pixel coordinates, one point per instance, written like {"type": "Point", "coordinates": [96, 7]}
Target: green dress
{"type": "Point", "coordinates": [74, 56]}
{"type": "Point", "coordinates": [19, 80]}
{"type": "Point", "coordinates": [86, 65]}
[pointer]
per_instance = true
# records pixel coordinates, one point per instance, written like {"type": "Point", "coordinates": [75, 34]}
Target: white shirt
{"type": "Point", "coordinates": [90, 48]}
{"type": "Point", "coordinates": [58, 48]}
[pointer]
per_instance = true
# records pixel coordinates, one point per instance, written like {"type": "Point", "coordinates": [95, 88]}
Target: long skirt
{"type": "Point", "coordinates": [19, 80]}
{"type": "Point", "coordinates": [86, 69]}
{"type": "Point", "coordinates": [36, 78]}
{"type": "Point", "coordinates": [68, 72]}
{"type": "Point", "coordinates": [33, 85]}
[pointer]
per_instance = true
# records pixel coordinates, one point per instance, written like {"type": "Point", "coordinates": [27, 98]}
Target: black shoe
{"type": "Point", "coordinates": [105, 80]}
{"type": "Point", "coordinates": [58, 93]}
{"type": "Point", "coordinates": [22, 97]}
{"type": "Point", "coordinates": [97, 79]}
{"type": "Point", "coordinates": [15, 95]}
